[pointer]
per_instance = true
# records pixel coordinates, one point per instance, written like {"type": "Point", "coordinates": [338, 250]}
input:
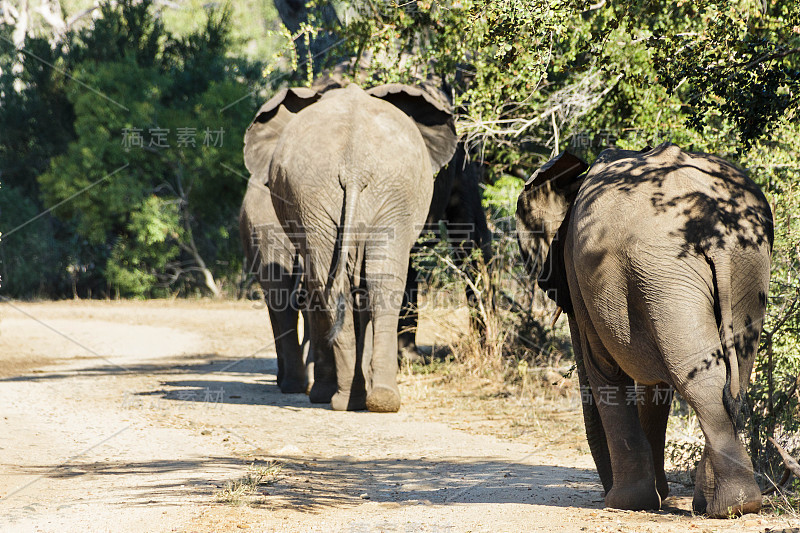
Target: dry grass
{"type": "Point", "coordinates": [510, 389]}
{"type": "Point", "coordinates": [241, 491]}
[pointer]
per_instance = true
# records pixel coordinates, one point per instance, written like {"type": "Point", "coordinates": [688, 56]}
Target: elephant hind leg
{"type": "Point", "coordinates": [324, 386]}
{"type": "Point", "coordinates": [725, 485]}
{"type": "Point", "coordinates": [634, 479]}
{"type": "Point", "coordinates": [385, 269]}
{"type": "Point", "coordinates": [654, 408]}
{"type": "Point", "coordinates": [351, 393]}
{"type": "Point", "coordinates": [595, 433]}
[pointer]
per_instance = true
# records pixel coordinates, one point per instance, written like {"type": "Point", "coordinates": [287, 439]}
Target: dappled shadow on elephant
{"type": "Point", "coordinates": [661, 260]}
{"type": "Point", "coordinates": [720, 206]}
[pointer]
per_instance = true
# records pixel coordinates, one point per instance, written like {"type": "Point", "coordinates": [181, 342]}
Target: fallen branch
{"type": "Point", "coordinates": [791, 464]}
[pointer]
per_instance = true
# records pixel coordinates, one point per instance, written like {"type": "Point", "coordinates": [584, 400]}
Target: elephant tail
{"type": "Point", "coordinates": [340, 284]}
{"type": "Point", "coordinates": [721, 270]}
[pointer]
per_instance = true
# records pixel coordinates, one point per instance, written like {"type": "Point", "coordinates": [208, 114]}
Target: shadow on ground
{"type": "Point", "coordinates": [313, 485]}
{"type": "Point", "coordinates": [256, 383]}
{"type": "Point", "coordinates": [247, 380]}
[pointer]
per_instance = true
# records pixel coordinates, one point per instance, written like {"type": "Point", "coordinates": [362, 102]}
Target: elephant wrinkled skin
{"type": "Point", "coordinates": [351, 174]}
{"type": "Point", "coordinates": [661, 259]}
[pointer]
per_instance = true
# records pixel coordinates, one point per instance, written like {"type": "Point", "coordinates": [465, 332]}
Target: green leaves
{"type": "Point", "coordinates": [153, 172]}
{"type": "Point", "coordinates": [744, 65]}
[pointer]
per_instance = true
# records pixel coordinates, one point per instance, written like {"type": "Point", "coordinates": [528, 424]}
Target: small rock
{"type": "Point", "coordinates": [364, 496]}
{"type": "Point", "coordinates": [205, 432]}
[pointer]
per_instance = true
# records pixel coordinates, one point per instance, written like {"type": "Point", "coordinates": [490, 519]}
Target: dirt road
{"type": "Point", "coordinates": [125, 416]}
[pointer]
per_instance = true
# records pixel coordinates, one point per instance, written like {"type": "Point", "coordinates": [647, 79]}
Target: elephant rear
{"type": "Point", "coordinates": [351, 174]}
{"type": "Point", "coordinates": [684, 230]}
{"type": "Point", "coordinates": [662, 259]}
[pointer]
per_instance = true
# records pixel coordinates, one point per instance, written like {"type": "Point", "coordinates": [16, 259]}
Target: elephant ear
{"type": "Point", "coordinates": [557, 175]}
{"type": "Point", "coordinates": [433, 118]}
{"type": "Point", "coordinates": [543, 210]}
{"type": "Point", "coordinates": [263, 133]}
{"type": "Point", "coordinates": [553, 277]}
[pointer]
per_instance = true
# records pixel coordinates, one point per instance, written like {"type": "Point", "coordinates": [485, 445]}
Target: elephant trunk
{"type": "Point", "coordinates": [340, 284]}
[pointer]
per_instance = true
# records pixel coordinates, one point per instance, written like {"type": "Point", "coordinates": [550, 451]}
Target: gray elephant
{"type": "Point", "coordinates": [352, 174]}
{"type": "Point", "coordinates": [271, 257]}
{"type": "Point", "coordinates": [661, 260]}
{"type": "Point", "coordinates": [456, 202]}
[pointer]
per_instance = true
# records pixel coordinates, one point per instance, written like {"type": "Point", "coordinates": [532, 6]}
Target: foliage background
{"type": "Point", "coordinates": [527, 79]}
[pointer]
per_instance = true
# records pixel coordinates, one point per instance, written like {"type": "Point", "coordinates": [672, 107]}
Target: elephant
{"type": "Point", "coordinates": [661, 261]}
{"type": "Point", "coordinates": [351, 173]}
{"type": "Point", "coordinates": [272, 258]}
{"type": "Point", "coordinates": [456, 202]}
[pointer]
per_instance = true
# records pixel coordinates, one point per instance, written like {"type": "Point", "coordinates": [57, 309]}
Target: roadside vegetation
{"type": "Point", "coordinates": [121, 141]}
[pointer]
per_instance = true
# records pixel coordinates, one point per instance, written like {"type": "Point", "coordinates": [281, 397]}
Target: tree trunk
{"type": "Point", "coordinates": [208, 277]}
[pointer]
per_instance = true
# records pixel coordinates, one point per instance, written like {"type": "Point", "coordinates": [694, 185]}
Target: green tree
{"type": "Point", "coordinates": [153, 175]}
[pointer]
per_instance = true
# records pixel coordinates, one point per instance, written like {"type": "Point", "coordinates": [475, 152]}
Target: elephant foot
{"type": "Point", "coordinates": [699, 504]}
{"type": "Point", "coordinates": [343, 401]}
{"type": "Point", "coordinates": [322, 391]}
{"type": "Point", "coordinates": [383, 400]}
{"type": "Point", "coordinates": [734, 503]}
{"type": "Point", "coordinates": [294, 386]}
{"type": "Point", "coordinates": [639, 496]}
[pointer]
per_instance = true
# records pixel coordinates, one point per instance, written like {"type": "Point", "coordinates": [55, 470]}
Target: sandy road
{"type": "Point", "coordinates": [133, 416]}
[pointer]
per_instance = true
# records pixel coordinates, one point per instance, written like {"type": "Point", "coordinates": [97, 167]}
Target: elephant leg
{"type": "Point", "coordinates": [702, 490]}
{"type": "Point", "coordinates": [350, 389]}
{"type": "Point", "coordinates": [654, 409]}
{"type": "Point", "coordinates": [291, 369]}
{"type": "Point", "coordinates": [364, 336]}
{"type": "Point", "coordinates": [325, 382]}
{"type": "Point", "coordinates": [728, 487]}
{"type": "Point", "coordinates": [278, 285]}
{"type": "Point", "coordinates": [634, 479]}
{"type": "Point", "coordinates": [726, 484]}
{"type": "Point", "coordinates": [409, 319]}
{"type": "Point", "coordinates": [385, 282]}
{"type": "Point", "coordinates": [595, 434]}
